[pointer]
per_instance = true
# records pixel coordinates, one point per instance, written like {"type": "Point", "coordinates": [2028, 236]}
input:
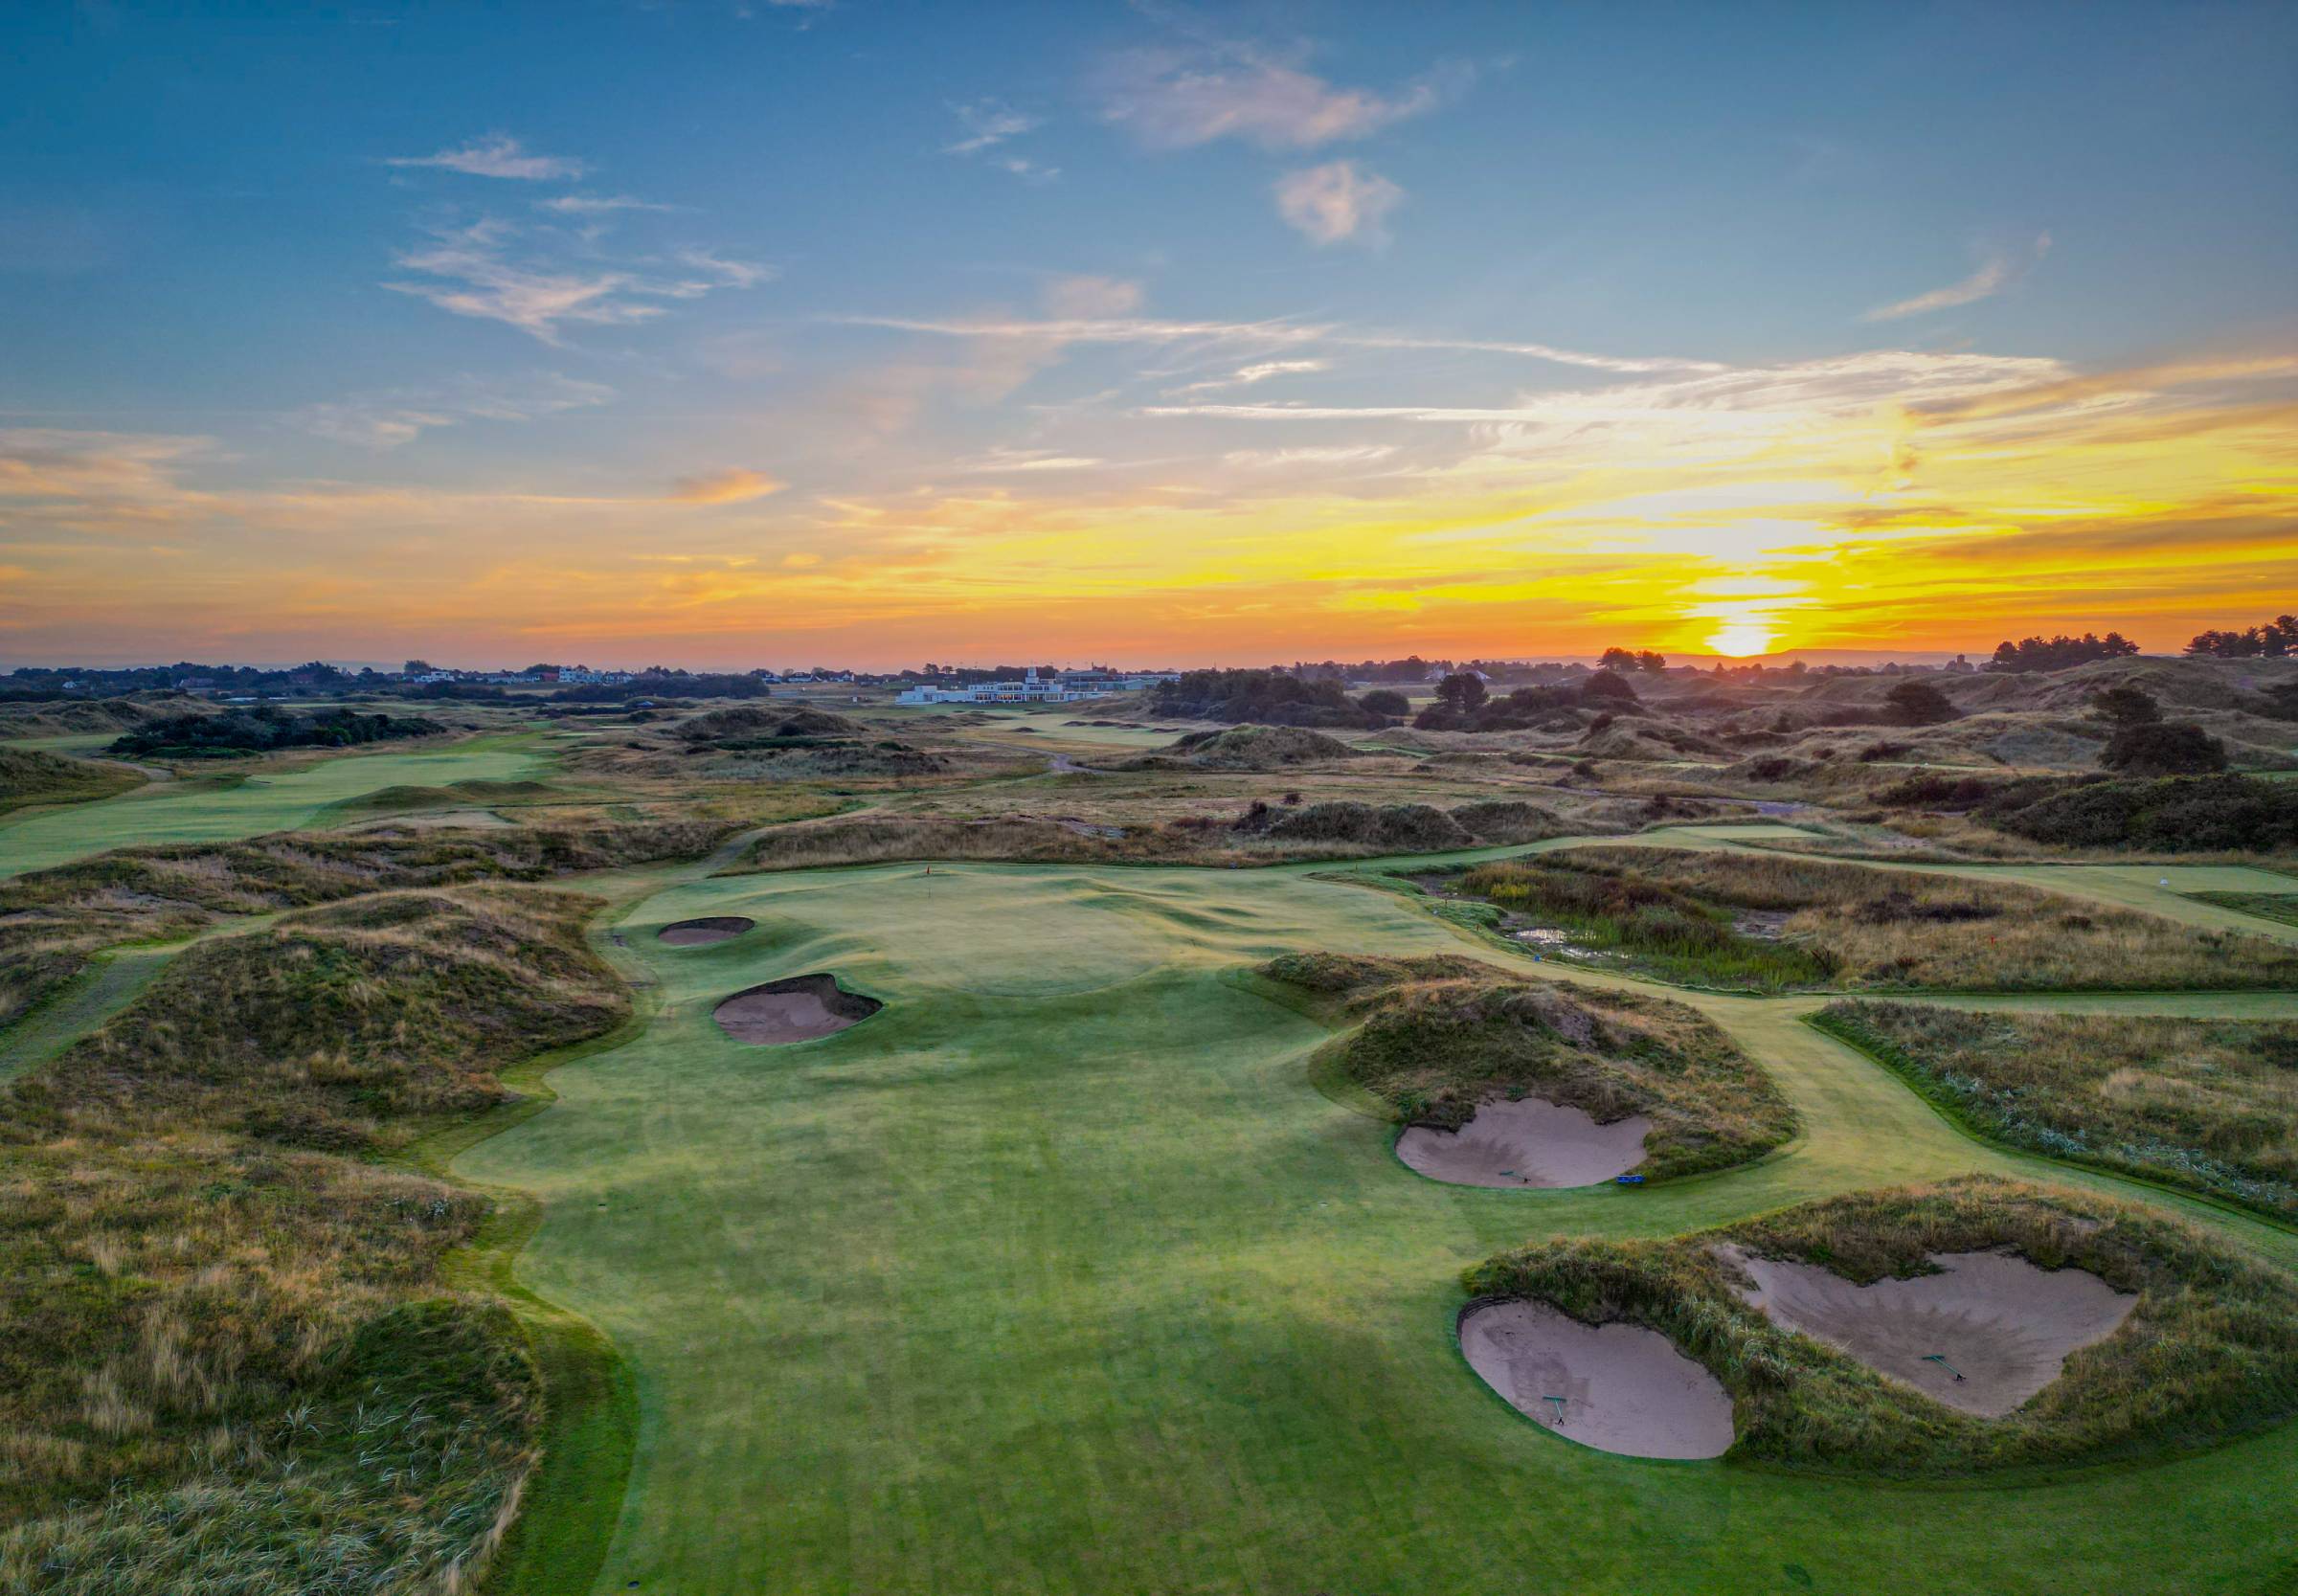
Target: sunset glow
{"type": "Point", "coordinates": [1159, 343]}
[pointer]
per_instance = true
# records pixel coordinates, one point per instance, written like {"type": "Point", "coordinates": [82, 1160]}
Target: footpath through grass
{"type": "Point", "coordinates": [1057, 1275]}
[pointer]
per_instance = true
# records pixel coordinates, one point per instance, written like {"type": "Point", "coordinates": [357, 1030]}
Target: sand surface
{"type": "Point", "coordinates": [1625, 1388]}
{"type": "Point", "coordinates": [794, 1010]}
{"type": "Point", "coordinates": [1527, 1142]}
{"type": "Point", "coordinates": [710, 928]}
{"type": "Point", "coordinates": [2005, 1325]}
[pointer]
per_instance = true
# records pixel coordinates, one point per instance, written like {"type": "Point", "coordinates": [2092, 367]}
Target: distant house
{"type": "Point", "coordinates": [1067, 687]}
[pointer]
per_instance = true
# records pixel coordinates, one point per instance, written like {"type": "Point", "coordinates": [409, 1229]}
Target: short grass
{"type": "Point", "coordinates": [2210, 1106]}
{"type": "Point", "coordinates": [1059, 1275]}
{"type": "Point", "coordinates": [1688, 914]}
{"type": "Point", "coordinates": [2210, 1347]}
{"type": "Point", "coordinates": [1433, 1038]}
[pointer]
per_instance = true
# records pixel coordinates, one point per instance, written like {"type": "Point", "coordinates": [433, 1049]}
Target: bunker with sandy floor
{"type": "Point", "coordinates": [710, 928]}
{"type": "Point", "coordinates": [798, 1009]}
{"type": "Point", "coordinates": [1617, 1387]}
{"type": "Point", "coordinates": [1526, 1142]}
{"type": "Point", "coordinates": [1982, 1336]}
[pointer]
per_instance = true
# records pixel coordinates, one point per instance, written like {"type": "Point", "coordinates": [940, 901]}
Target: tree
{"type": "Point", "coordinates": [1920, 704]}
{"type": "Point", "coordinates": [419, 667]}
{"type": "Point", "coordinates": [2275, 639]}
{"type": "Point", "coordinates": [2058, 653]}
{"type": "Point", "coordinates": [1617, 659]}
{"type": "Point", "coordinates": [1462, 692]}
{"type": "Point", "coordinates": [2164, 748]}
{"type": "Point", "coordinates": [2127, 705]}
{"type": "Point", "coordinates": [1651, 663]}
{"type": "Point", "coordinates": [1384, 700]}
{"type": "Point", "coordinates": [1608, 684]}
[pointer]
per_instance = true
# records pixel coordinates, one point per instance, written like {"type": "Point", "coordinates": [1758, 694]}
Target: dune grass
{"type": "Point", "coordinates": [232, 1360]}
{"type": "Point", "coordinates": [2207, 1105]}
{"type": "Point", "coordinates": [2210, 1349]}
{"type": "Point", "coordinates": [1683, 915]}
{"type": "Point", "coordinates": [30, 777]}
{"type": "Point", "coordinates": [1434, 1037]}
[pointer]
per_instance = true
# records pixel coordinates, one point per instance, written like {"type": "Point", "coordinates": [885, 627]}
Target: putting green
{"type": "Point", "coordinates": [1059, 1276]}
{"type": "Point", "coordinates": [203, 809]}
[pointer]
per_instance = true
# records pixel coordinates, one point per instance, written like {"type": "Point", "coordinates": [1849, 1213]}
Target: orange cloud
{"type": "Point", "coordinates": [737, 486]}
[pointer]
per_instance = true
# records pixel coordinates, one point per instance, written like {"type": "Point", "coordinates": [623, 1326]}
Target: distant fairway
{"type": "Point", "coordinates": [204, 809]}
{"type": "Point", "coordinates": [1058, 1275]}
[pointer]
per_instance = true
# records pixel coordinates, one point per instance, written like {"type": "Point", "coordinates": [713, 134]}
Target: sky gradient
{"type": "Point", "coordinates": [867, 333]}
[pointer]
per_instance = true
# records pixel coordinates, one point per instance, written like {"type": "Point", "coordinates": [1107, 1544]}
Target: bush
{"type": "Point", "coordinates": [2127, 705]}
{"type": "Point", "coordinates": [1920, 704]}
{"type": "Point", "coordinates": [2174, 747]}
{"type": "Point", "coordinates": [265, 729]}
{"type": "Point", "coordinates": [1271, 697]}
{"type": "Point", "coordinates": [1606, 690]}
{"type": "Point", "coordinates": [2221, 813]}
{"type": "Point", "coordinates": [1384, 700]}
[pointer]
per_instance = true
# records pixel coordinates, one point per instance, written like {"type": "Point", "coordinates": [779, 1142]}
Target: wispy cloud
{"type": "Point", "coordinates": [398, 416]}
{"type": "Point", "coordinates": [986, 124]}
{"type": "Point", "coordinates": [1244, 376]}
{"type": "Point", "coordinates": [471, 271]}
{"type": "Point", "coordinates": [1259, 334]}
{"type": "Point", "coordinates": [737, 486]}
{"type": "Point", "coordinates": [597, 205]}
{"type": "Point", "coordinates": [1176, 99]}
{"type": "Point", "coordinates": [1337, 202]}
{"type": "Point", "coordinates": [497, 155]}
{"type": "Point", "coordinates": [1997, 271]}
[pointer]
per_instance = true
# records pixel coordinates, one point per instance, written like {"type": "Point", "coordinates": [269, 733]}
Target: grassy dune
{"type": "Point", "coordinates": [2210, 1106]}
{"type": "Point", "coordinates": [29, 777]}
{"type": "Point", "coordinates": [1685, 914]}
{"type": "Point", "coordinates": [1434, 1037]}
{"type": "Point", "coordinates": [2210, 1349]}
{"type": "Point", "coordinates": [232, 1360]}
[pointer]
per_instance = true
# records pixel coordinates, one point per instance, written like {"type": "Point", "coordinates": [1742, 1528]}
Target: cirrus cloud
{"type": "Point", "coordinates": [1338, 203]}
{"type": "Point", "coordinates": [737, 486]}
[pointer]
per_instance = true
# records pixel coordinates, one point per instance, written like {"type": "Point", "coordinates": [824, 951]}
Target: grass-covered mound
{"type": "Point", "coordinates": [52, 921]}
{"type": "Point", "coordinates": [1390, 827]}
{"type": "Point", "coordinates": [1245, 748]}
{"type": "Point", "coordinates": [404, 799]}
{"type": "Point", "coordinates": [2208, 1105]}
{"type": "Point", "coordinates": [29, 777]}
{"type": "Point", "coordinates": [750, 725]}
{"type": "Point", "coordinates": [233, 1360]}
{"type": "Point", "coordinates": [1772, 921]}
{"type": "Point", "coordinates": [2179, 813]}
{"type": "Point", "coordinates": [2210, 1349]}
{"type": "Point", "coordinates": [1433, 1038]}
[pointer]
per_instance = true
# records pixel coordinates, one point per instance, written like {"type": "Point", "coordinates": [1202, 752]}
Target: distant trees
{"type": "Point", "coordinates": [1270, 697]}
{"type": "Point", "coordinates": [2164, 748]}
{"type": "Point", "coordinates": [2058, 653]}
{"type": "Point", "coordinates": [264, 728]}
{"type": "Point", "coordinates": [2272, 641]}
{"type": "Point", "coordinates": [1629, 659]}
{"type": "Point", "coordinates": [1920, 704]}
{"type": "Point", "coordinates": [2127, 705]}
{"type": "Point", "coordinates": [1462, 692]}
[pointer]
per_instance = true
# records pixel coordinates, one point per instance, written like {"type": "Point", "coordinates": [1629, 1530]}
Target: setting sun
{"type": "Point", "coordinates": [1739, 639]}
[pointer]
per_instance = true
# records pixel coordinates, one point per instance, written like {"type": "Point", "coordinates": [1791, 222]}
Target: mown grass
{"type": "Point", "coordinates": [1671, 912]}
{"type": "Point", "coordinates": [2210, 1106]}
{"type": "Point", "coordinates": [2209, 1351]}
{"type": "Point", "coordinates": [29, 777]}
{"type": "Point", "coordinates": [2279, 907]}
{"type": "Point", "coordinates": [1431, 1038]}
{"type": "Point", "coordinates": [234, 1361]}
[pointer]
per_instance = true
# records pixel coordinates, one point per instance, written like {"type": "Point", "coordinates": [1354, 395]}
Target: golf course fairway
{"type": "Point", "coordinates": [1060, 1275]}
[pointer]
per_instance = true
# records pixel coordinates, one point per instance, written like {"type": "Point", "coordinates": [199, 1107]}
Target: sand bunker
{"type": "Point", "coordinates": [710, 928]}
{"type": "Point", "coordinates": [1527, 1142]}
{"type": "Point", "coordinates": [1624, 1389]}
{"type": "Point", "coordinates": [794, 1010]}
{"type": "Point", "coordinates": [2000, 1322]}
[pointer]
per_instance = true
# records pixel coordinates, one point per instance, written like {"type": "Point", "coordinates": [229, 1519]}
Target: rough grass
{"type": "Point", "coordinates": [29, 777]}
{"type": "Point", "coordinates": [1433, 1036]}
{"type": "Point", "coordinates": [231, 1363]}
{"type": "Point", "coordinates": [2279, 907]}
{"type": "Point", "coordinates": [748, 724]}
{"type": "Point", "coordinates": [1245, 748]}
{"type": "Point", "coordinates": [52, 921]}
{"type": "Point", "coordinates": [1672, 912]}
{"type": "Point", "coordinates": [2207, 1105]}
{"type": "Point", "coordinates": [2209, 1350]}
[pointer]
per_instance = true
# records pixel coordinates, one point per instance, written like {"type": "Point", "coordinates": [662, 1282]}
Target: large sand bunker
{"type": "Point", "coordinates": [2000, 1323]}
{"type": "Point", "coordinates": [794, 1010]}
{"type": "Point", "coordinates": [1527, 1142]}
{"type": "Point", "coordinates": [1623, 1388]}
{"type": "Point", "coordinates": [710, 928]}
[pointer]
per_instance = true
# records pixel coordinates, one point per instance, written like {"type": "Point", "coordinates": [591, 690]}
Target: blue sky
{"type": "Point", "coordinates": [864, 329]}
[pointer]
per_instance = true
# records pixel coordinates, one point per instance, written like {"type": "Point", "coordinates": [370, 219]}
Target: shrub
{"type": "Point", "coordinates": [1384, 700]}
{"type": "Point", "coordinates": [1920, 704]}
{"type": "Point", "coordinates": [2174, 748]}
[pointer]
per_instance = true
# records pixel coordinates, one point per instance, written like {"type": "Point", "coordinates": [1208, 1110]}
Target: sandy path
{"type": "Point", "coordinates": [2002, 1324]}
{"type": "Point", "coordinates": [1527, 1142]}
{"type": "Point", "coordinates": [1624, 1389]}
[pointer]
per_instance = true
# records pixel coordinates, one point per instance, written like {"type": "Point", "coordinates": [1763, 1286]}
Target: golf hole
{"type": "Point", "coordinates": [710, 928]}
{"type": "Point", "coordinates": [799, 1009]}
{"type": "Point", "coordinates": [1526, 1142]}
{"type": "Point", "coordinates": [1982, 1336]}
{"type": "Point", "coordinates": [1617, 1387]}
